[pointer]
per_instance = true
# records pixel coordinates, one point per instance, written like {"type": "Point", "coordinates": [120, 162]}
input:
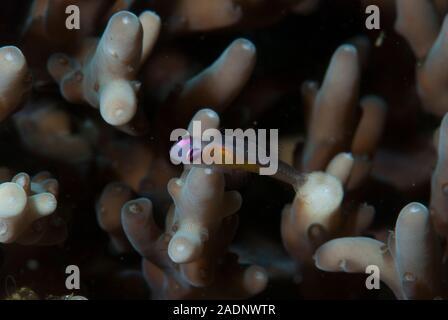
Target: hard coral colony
{"type": "Point", "coordinates": [368, 141]}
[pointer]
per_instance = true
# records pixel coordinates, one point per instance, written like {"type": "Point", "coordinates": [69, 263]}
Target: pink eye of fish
{"type": "Point", "coordinates": [184, 151]}
{"type": "Point", "coordinates": [185, 141]}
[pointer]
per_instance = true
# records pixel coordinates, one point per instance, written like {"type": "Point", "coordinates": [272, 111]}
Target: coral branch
{"type": "Point", "coordinates": [410, 263]}
{"type": "Point", "coordinates": [204, 278]}
{"type": "Point", "coordinates": [49, 131]}
{"type": "Point", "coordinates": [200, 206]}
{"type": "Point", "coordinates": [189, 257]}
{"type": "Point", "coordinates": [419, 23]}
{"type": "Point", "coordinates": [184, 16]}
{"type": "Point", "coordinates": [439, 182]}
{"type": "Point", "coordinates": [25, 207]}
{"type": "Point", "coordinates": [108, 213]}
{"type": "Point", "coordinates": [366, 138]}
{"type": "Point", "coordinates": [219, 84]}
{"type": "Point", "coordinates": [103, 74]}
{"type": "Point", "coordinates": [333, 110]}
{"type": "Point", "coordinates": [314, 213]}
{"type": "Point", "coordinates": [15, 81]}
{"type": "Point", "coordinates": [331, 117]}
{"type": "Point", "coordinates": [204, 15]}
